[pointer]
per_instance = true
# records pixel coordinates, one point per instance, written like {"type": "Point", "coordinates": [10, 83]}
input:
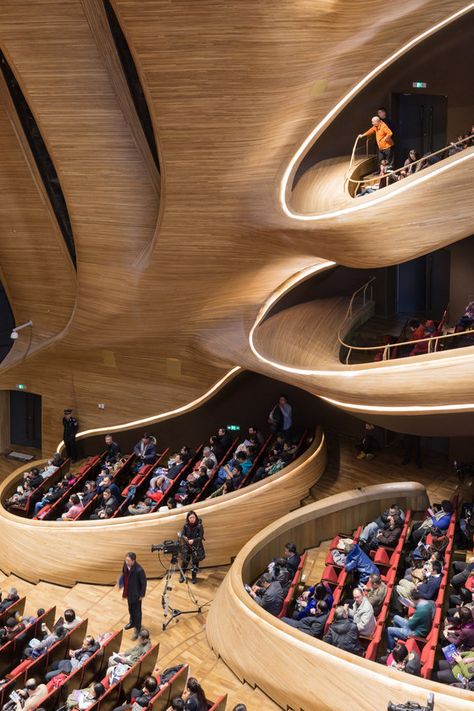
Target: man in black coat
{"type": "Point", "coordinates": [133, 583]}
{"type": "Point", "coordinates": [343, 632]}
{"type": "Point", "coordinates": [312, 624]}
{"type": "Point", "coordinates": [70, 426]}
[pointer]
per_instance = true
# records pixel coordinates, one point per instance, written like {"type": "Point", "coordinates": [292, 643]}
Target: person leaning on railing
{"type": "Point", "coordinates": [383, 136]}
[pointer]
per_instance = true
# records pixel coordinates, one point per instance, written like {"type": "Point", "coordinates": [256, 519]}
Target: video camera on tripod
{"type": "Point", "coordinates": [168, 547]}
{"type": "Point", "coordinates": [412, 706]}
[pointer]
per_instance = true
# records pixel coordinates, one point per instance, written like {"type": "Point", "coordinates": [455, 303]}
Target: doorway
{"type": "Point", "coordinates": [420, 122]}
{"type": "Point", "coordinates": [25, 419]}
{"type": "Point", "coordinates": [423, 285]}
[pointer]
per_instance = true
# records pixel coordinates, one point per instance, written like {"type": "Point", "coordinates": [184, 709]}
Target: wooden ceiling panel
{"type": "Point", "coordinates": [233, 90]}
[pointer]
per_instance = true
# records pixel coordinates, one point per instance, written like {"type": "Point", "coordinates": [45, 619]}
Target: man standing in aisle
{"type": "Point", "coordinates": [70, 425]}
{"type": "Point", "coordinates": [133, 583]}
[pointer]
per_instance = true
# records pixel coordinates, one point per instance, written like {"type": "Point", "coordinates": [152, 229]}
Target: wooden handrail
{"type": "Point", "coordinates": [400, 170]}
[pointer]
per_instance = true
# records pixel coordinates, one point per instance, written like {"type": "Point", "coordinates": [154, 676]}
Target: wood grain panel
{"type": "Point", "coordinates": [305, 672]}
{"type": "Point", "coordinates": [231, 89]}
{"type": "Point", "coordinates": [229, 522]}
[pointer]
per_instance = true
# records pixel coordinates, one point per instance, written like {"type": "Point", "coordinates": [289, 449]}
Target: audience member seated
{"type": "Point", "coordinates": [158, 486]}
{"type": "Point", "coordinates": [463, 571]}
{"type": "Point", "coordinates": [388, 535]}
{"type": "Point", "coordinates": [312, 624]}
{"type": "Point", "coordinates": [465, 323]}
{"type": "Point", "coordinates": [140, 698]}
{"type": "Point", "coordinates": [379, 524]}
{"type": "Point", "coordinates": [31, 696]}
{"type": "Point", "coordinates": [132, 655]}
{"type": "Point", "coordinates": [268, 593]}
{"type": "Point", "coordinates": [69, 619]}
{"type": "Point", "coordinates": [77, 657]}
{"type": "Point", "coordinates": [275, 461]}
{"type": "Point", "coordinates": [459, 669]}
{"type": "Point", "coordinates": [141, 507]}
{"type": "Point", "coordinates": [10, 598]}
{"type": "Point", "coordinates": [145, 450]}
{"type": "Point", "coordinates": [403, 660]}
{"type": "Point", "coordinates": [36, 647]}
{"type": "Point", "coordinates": [435, 550]}
{"type": "Point", "coordinates": [52, 465]}
{"type": "Point", "coordinates": [84, 698]}
{"type": "Point", "coordinates": [376, 593]}
{"type": "Point", "coordinates": [112, 453]}
{"type": "Point", "coordinates": [308, 600]}
{"type": "Point", "coordinates": [74, 508]}
{"type": "Point", "coordinates": [108, 483]}
{"type": "Point", "coordinates": [235, 470]}
{"type": "Point", "coordinates": [292, 557]}
{"type": "Point", "coordinates": [418, 625]}
{"type": "Point", "coordinates": [175, 464]}
{"type": "Point", "coordinates": [53, 494]}
{"type": "Point", "coordinates": [207, 455]}
{"type": "Point", "coordinates": [439, 517]}
{"type": "Point", "coordinates": [194, 696]}
{"type": "Point", "coordinates": [13, 626]}
{"type": "Point", "coordinates": [194, 483]}
{"type": "Point", "coordinates": [89, 492]}
{"type": "Point", "coordinates": [185, 454]}
{"type": "Point", "coordinates": [368, 445]}
{"type": "Point", "coordinates": [343, 632]}
{"type": "Point", "coordinates": [459, 629]}
{"type": "Point", "coordinates": [106, 507]}
{"type": "Point", "coordinates": [427, 587]}
{"type": "Point", "coordinates": [362, 613]}
{"type": "Point", "coordinates": [410, 164]}
{"type": "Point", "coordinates": [359, 562]}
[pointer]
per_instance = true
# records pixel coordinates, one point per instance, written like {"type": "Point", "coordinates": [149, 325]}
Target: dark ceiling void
{"type": "Point", "coordinates": [42, 158]}
{"type": "Point", "coordinates": [133, 80]}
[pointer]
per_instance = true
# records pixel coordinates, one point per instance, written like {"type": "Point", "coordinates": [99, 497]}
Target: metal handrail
{"type": "Point", "coordinates": [386, 347]}
{"type": "Point", "coordinates": [399, 170]}
{"type": "Point", "coordinates": [350, 309]}
{"type": "Point", "coordinates": [354, 148]}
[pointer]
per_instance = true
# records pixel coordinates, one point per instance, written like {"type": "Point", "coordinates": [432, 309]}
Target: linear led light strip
{"type": "Point", "coordinates": [326, 120]}
{"type": "Point", "coordinates": [376, 370]}
{"type": "Point", "coordinates": [161, 416]}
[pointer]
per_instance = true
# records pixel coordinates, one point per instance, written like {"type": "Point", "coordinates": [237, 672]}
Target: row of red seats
{"type": "Point", "coordinates": [51, 511]}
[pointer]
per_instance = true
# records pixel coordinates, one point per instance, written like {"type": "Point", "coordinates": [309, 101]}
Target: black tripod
{"type": "Point", "coordinates": [175, 567]}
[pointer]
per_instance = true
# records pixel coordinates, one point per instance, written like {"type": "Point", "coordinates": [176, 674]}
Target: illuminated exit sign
{"type": "Point", "coordinates": [20, 386]}
{"type": "Point", "coordinates": [233, 428]}
{"type": "Point", "coordinates": [420, 85]}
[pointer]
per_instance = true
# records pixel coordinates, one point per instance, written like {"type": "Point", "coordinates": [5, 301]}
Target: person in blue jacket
{"type": "Point", "coordinates": [438, 517]}
{"type": "Point", "coordinates": [311, 596]}
{"type": "Point", "coordinates": [360, 562]}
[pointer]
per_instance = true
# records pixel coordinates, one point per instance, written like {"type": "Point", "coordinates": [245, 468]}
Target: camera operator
{"type": "Point", "coordinates": [191, 543]}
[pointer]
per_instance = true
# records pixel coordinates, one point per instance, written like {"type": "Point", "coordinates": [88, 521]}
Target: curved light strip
{"type": "Point", "coordinates": [161, 416]}
{"type": "Point", "coordinates": [326, 120]}
{"type": "Point", "coordinates": [461, 407]}
{"type": "Point", "coordinates": [354, 372]}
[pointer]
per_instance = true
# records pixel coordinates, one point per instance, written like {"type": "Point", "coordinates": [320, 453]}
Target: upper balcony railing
{"type": "Point", "coordinates": [388, 351]}
{"type": "Point", "coordinates": [362, 144]}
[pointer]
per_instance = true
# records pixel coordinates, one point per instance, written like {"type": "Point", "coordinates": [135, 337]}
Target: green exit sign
{"type": "Point", "coordinates": [20, 386]}
{"type": "Point", "coordinates": [233, 428]}
{"type": "Point", "coordinates": [419, 85]}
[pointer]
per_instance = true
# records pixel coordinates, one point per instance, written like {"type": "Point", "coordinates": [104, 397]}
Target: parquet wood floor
{"type": "Point", "coordinates": [185, 639]}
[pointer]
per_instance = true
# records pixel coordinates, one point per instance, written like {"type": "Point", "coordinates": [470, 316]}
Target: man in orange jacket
{"type": "Point", "coordinates": [383, 136]}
